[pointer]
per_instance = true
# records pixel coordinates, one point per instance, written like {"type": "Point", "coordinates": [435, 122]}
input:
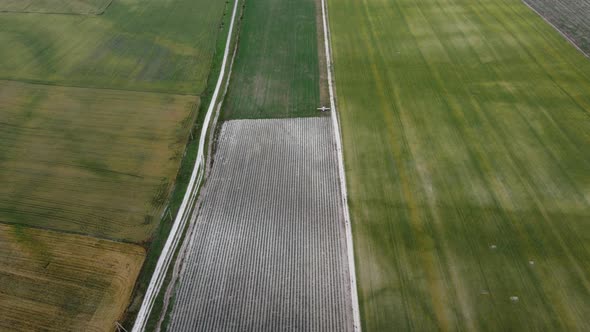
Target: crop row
{"type": "Point", "coordinates": [268, 248]}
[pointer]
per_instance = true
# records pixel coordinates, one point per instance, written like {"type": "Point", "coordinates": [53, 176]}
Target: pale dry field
{"type": "Point", "coordinates": [52, 281]}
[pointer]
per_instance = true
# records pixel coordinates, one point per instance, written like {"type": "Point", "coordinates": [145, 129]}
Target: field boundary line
{"type": "Point", "coordinates": [557, 29]}
{"type": "Point", "coordinates": [186, 208]}
{"type": "Point", "coordinates": [343, 191]}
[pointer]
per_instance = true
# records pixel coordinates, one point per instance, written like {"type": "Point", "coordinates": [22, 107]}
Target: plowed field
{"type": "Point", "coordinates": [268, 251]}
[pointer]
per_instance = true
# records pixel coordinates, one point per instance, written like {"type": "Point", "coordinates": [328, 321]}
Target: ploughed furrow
{"type": "Point", "coordinates": [268, 249]}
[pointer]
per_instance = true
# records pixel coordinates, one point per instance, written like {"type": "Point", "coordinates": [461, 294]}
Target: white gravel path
{"type": "Point", "coordinates": [342, 174]}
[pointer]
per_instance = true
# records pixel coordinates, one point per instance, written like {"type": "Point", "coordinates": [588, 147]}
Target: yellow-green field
{"type": "Point", "coordinates": [148, 45]}
{"type": "Point", "coordinates": [92, 161]}
{"type": "Point", "coordinates": [52, 281]}
{"type": "Point", "coordinates": [276, 70]}
{"type": "Point", "coordinates": [466, 132]}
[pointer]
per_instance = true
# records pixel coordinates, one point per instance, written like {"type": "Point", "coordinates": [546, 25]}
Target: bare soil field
{"type": "Point", "coordinates": [52, 281]}
{"type": "Point", "coordinates": [80, 7]}
{"type": "Point", "coordinates": [571, 17]}
{"type": "Point", "coordinates": [91, 161]}
{"type": "Point", "coordinates": [268, 250]}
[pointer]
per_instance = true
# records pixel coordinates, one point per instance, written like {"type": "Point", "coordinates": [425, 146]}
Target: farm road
{"type": "Point", "coordinates": [268, 250]}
